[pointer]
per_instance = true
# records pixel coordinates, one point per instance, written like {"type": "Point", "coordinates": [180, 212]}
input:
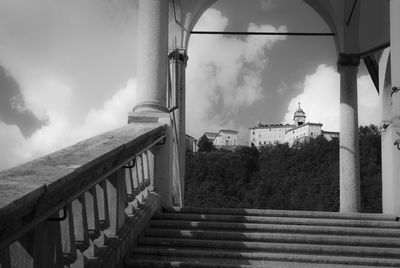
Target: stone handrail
{"type": "Point", "coordinates": [73, 206]}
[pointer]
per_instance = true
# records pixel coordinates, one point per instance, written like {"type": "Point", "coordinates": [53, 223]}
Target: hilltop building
{"type": "Point", "coordinates": [299, 132]}
{"type": "Point", "coordinates": [211, 136]}
{"type": "Point", "coordinates": [224, 139]}
{"type": "Point", "coordinates": [190, 143]}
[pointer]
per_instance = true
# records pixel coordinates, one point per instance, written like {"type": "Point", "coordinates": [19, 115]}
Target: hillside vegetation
{"type": "Point", "coordinates": [303, 178]}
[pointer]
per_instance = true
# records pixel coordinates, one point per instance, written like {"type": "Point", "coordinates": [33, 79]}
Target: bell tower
{"type": "Point", "coordinates": [299, 117]}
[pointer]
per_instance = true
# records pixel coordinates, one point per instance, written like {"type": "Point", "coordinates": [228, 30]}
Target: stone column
{"type": "Point", "coordinates": [394, 127]}
{"type": "Point", "coordinates": [151, 105]}
{"type": "Point", "coordinates": [390, 200]}
{"type": "Point", "coordinates": [152, 58]}
{"type": "Point", "coordinates": [349, 147]}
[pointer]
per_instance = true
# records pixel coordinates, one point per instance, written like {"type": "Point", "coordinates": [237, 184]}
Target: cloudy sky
{"type": "Point", "coordinates": [68, 71]}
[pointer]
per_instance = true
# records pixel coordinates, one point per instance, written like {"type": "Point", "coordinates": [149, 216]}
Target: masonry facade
{"type": "Point", "coordinates": [224, 139]}
{"type": "Point", "coordinates": [297, 133]}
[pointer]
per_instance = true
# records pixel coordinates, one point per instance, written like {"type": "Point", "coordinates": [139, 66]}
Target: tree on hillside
{"type": "Point", "coordinates": [205, 145]}
{"type": "Point", "coordinates": [370, 169]}
{"type": "Point", "coordinates": [305, 177]}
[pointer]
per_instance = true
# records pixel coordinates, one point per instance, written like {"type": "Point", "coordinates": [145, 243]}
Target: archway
{"type": "Point", "coordinates": [226, 93]}
{"type": "Point", "coordinates": [352, 21]}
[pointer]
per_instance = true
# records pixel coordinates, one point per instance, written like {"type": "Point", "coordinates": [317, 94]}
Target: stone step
{"type": "Point", "coordinates": [279, 220]}
{"type": "Point", "coordinates": [275, 228]}
{"type": "Point", "coordinates": [204, 237]}
{"type": "Point", "coordinates": [382, 252]}
{"type": "Point", "coordinates": [255, 257]}
{"type": "Point", "coordinates": [151, 263]}
{"type": "Point", "coordinates": [282, 213]}
{"type": "Point", "coordinates": [276, 237]}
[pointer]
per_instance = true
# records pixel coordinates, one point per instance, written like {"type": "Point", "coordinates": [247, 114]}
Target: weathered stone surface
{"type": "Point", "coordinates": [58, 176]}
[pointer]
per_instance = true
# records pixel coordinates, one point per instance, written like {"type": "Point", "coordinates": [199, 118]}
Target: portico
{"type": "Point", "coordinates": [361, 32]}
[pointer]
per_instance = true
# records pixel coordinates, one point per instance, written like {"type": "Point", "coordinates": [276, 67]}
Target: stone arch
{"type": "Point", "coordinates": [191, 19]}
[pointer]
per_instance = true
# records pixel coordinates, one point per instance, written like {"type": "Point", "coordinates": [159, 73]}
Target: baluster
{"type": "Point", "coordinates": [5, 261]}
{"type": "Point", "coordinates": [146, 175]}
{"type": "Point", "coordinates": [135, 186]}
{"type": "Point", "coordinates": [137, 176]}
{"type": "Point", "coordinates": [141, 171]}
{"type": "Point", "coordinates": [101, 219]}
{"type": "Point", "coordinates": [116, 189]}
{"type": "Point", "coordinates": [41, 247]}
{"type": "Point", "coordinates": [129, 180]}
{"type": "Point", "coordinates": [80, 223]}
{"type": "Point", "coordinates": [150, 166]}
{"type": "Point", "coordinates": [93, 223]}
{"type": "Point", "coordinates": [102, 194]}
{"type": "Point", "coordinates": [92, 213]}
{"type": "Point", "coordinates": [68, 238]}
{"type": "Point", "coordinates": [130, 209]}
{"type": "Point", "coordinates": [47, 248]}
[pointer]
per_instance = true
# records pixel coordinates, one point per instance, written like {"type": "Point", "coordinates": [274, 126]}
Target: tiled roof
{"type": "Point", "coordinates": [306, 124]}
{"type": "Point", "coordinates": [228, 131]}
{"type": "Point", "coordinates": [272, 126]}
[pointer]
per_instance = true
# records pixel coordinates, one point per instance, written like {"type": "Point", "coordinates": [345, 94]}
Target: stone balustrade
{"type": "Point", "coordinates": [84, 205]}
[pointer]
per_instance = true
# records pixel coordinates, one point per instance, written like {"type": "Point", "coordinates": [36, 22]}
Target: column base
{"type": "Point", "coordinates": [163, 166]}
{"type": "Point", "coordinates": [150, 107]}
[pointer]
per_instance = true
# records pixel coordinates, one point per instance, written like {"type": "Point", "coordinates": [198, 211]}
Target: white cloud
{"type": "Point", "coordinates": [69, 58]}
{"type": "Point", "coordinates": [268, 4]}
{"type": "Point", "coordinates": [320, 99]}
{"type": "Point", "coordinates": [12, 144]}
{"type": "Point", "coordinates": [88, 45]}
{"type": "Point", "coordinates": [113, 114]}
{"type": "Point", "coordinates": [61, 129]}
{"type": "Point", "coordinates": [224, 74]}
{"type": "Point", "coordinates": [368, 102]}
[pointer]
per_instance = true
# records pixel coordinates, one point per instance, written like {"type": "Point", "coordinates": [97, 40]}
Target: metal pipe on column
{"type": "Point", "coordinates": [178, 59]}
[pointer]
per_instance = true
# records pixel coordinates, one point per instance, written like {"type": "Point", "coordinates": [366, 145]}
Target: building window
{"type": "Point", "coordinates": [311, 133]}
{"type": "Point", "coordinates": [265, 142]}
{"type": "Point", "coordinates": [259, 143]}
{"type": "Point", "coordinates": [254, 133]}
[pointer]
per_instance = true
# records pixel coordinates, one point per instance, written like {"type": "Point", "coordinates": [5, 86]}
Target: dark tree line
{"type": "Point", "coordinates": [279, 177]}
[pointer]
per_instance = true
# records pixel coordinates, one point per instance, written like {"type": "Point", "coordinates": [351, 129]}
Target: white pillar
{"type": "Point", "coordinates": [151, 105]}
{"type": "Point", "coordinates": [390, 200]}
{"type": "Point", "coordinates": [394, 127]}
{"type": "Point", "coordinates": [349, 147]}
{"type": "Point", "coordinates": [152, 58]}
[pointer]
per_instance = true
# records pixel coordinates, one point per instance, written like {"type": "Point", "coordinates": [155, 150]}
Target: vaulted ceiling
{"type": "Point", "coordinates": [359, 25]}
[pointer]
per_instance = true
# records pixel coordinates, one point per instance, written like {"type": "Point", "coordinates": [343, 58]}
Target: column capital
{"type": "Point", "coordinates": [349, 60]}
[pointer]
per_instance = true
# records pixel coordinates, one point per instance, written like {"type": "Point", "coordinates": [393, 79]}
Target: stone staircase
{"type": "Point", "coordinates": [197, 237]}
